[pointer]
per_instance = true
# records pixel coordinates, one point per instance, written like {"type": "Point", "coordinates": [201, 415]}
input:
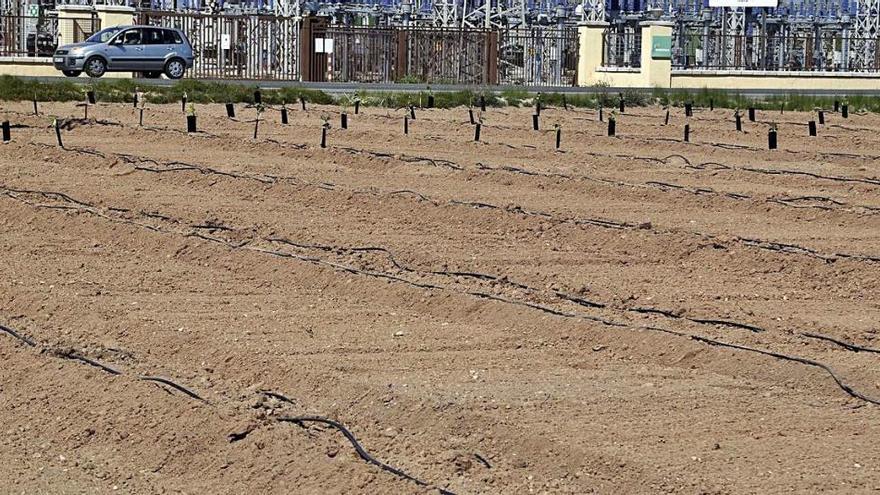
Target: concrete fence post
{"type": "Point", "coordinates": [657, 54]}
{"type": "Point", "coordinates": [590, 48]}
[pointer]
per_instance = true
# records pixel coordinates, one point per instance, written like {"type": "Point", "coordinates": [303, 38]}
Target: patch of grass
{"type": "Point", "coordinates": [200, 92]}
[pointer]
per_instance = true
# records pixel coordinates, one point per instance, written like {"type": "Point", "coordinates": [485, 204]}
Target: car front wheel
{"type": "Point", "coordinates": [95, 67]}
{"type": "Point", "coordinates": [71, 73]}
{"type": "Point", "coordinates": [175, 68]}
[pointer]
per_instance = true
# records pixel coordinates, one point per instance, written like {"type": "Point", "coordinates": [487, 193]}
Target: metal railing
{"type": "Point", "coordinates": [28, 36]}
{"type": "Point", "coordinates": [538, 56]}
{"type": "Point", "coordinates": [237, 46]}
{"type": "Point", "coordinates": [622, 48]}
{"type": "Point", "coordinates": [829, 52]}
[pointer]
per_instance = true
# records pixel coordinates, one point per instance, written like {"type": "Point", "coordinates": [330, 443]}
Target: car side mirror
{"type": "Point", "coordinates": [116, 41]}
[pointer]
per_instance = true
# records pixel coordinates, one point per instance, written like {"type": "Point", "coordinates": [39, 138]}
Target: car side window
{"type": "Point", "coordinates": [172, 37]}
{"type": "Point", "coordinates": [131, 37]}
{"type": "Point", "coordinates": [153, 37]}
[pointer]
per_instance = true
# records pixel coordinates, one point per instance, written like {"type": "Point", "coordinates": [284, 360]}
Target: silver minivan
{"type": "Point", "coordinates": [148, 49]}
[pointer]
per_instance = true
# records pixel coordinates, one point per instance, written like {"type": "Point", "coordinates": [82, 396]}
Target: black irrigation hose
{"type": "Point", "coordinates": [68, 354]}
{"type": "Point", "coordinates": [842, 343]}
{"type": "Point", "coordinates": [361, 452]}
{"type": "Point", "coordinates": [165, 381]}
{"type": "Point", "coordinates": [89, 361]}
{"type": "Point", "coordinates": [23, 338]}
{"type": "Point", "coordinates": [846, 388]}
{"type": "Point", "coordinates": [786, 357]}
{"type": "Point", "coordinates": [390, 256]}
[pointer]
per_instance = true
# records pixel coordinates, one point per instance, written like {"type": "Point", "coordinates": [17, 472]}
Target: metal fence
{"type": "Point", "coordinates": [538, 56]}
{"type": "Point", "coordinates": [399, 54]}
{"type": "Point", "coordinates": [28, 36]}
{"type": "Point", "coordinates": [622, 48]}
{"type": "Point", "coordinates": [237, 46]}
{"type": "Point", "coordinates": [792, 52]}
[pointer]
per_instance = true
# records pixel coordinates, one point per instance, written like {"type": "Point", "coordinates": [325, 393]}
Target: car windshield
{"type": "Point", "coordinates": [103, 35]}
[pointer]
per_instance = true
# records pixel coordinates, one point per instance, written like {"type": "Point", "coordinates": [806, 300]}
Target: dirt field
{"type": "Point", "coordinates": [629, 315]}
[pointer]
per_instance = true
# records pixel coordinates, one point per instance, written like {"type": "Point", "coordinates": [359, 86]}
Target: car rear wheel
{"type": "Point", "coordinates": [153, 74]}
{"type": "Point", "coordinates": [71, 73]}
{"type": "Point", "coordinates": [95, 67]}
{"type": "Point", "coordinates": [175, 68]}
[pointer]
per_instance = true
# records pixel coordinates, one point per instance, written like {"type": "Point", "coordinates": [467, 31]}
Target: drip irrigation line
{"type": "Point", "coordinates": [842, 343]}
{"type": "Point", "coordinates": [74, 356]}
{"type": "Point", "coordinates": [845, 387]}
{"type": "Point", "coordinates": [482, 276]}
{"type": "Point", "coordinates": [165, 381]}
{"type": "Point", "coordinates": [91, 362]}
{"type": "Point", "coordinates": [786, 357]}
{"type": "Point", "coordinates": [301, 420]}
{"type": "Point", "coordinates": [22, 338]}
{"type": "Point", "coordinates": [361, 452]}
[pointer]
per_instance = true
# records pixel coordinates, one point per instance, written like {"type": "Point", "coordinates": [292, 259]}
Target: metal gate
{"type": "Point", "coordinates": [538, 56]}
{"type": "Point", "coordinates": [398, 54]}
{"type": "Point", "coordinates": [237, 46]}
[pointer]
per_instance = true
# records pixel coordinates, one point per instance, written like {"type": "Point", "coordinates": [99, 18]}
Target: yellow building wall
{"type": "Point", "coordinates": [659, 73]}
{"type": "Point", "coordinates": [774, 80]}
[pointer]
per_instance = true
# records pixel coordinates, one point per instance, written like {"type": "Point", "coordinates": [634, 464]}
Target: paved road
{"type": "Point", "coordinates": [337, 88]}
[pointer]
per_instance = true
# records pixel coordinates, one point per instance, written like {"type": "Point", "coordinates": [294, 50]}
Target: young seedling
{"type": "Point", "coordinates": [191, 119]}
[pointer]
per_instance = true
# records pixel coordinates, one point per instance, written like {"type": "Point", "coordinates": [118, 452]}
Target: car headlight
{"type": "Point", "coordinates": [76, 51]}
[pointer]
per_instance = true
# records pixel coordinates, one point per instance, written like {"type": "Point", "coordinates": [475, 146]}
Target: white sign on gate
{"type": "Point", "coordinates": [323, 45]}
{"type": "Point", "coordinates": [225, 42]}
